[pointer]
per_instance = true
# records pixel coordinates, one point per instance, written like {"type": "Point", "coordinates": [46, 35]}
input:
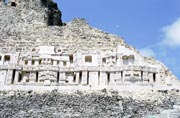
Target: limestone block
{"type": "Point", "coordinates": [62, 78]}
{"type": "Point", "coordinates": [170, 114]}
{"type": "Point", "coordinates": [127, 76]}
{"type": "Point", "coordinates": [46, 49]}
{"type": "Point", "coordinates": [2, 76]}
{"type": "Point", "coordinates": [103, 78]}
{"type": "Point", "coordinates": [150, 76]}
{"type": "Point", "coordinates": [61, 64]}
{"type": "Point", "coordinates": [112, 78]}
{"type": "Point", "coordinates": [32, 78]}
{"type": "Point", "coordinates": [68, 64]}
{"type": "Point", "coordinates": [145, 77]}
{"type": "Point", "coordinates": [1, 61]}
{"type": "Point", "coordinates": [158, 78]}
{"type": "Point", "coordinates": [9, 77]}
{"type": "Point", "coordinates": [25, 78]}
{"type": "Point", "coordinates": [77, 78]}
{"type": "Point", "coordinates": [29, 62]}
{"type": "Point", "coordinates": [16, 78]}
{"type": "Point", "coordinates": [177, 107]}
{"type": "Point", "coordinates": [118, 78]}
{"type": "Point", "coordinates": [21, 62]}
{"type": "Point", "coordinates": [93, 78]}
{"type": "Point", "coordinates": [70, 79]}
{"type": "Point", "coordinates": [84, 78]}
{"type": "Point", "coordinates": [168, 81]}
{"type": "Point", "coordinates": [47, 83]}
{"type": "Point", "coordinates": [54, 63]}
{"type": "Point", "coordinates": [36, 63]}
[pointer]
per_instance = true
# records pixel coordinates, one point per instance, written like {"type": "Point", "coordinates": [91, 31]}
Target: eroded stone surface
{"type": "Point", "coordinates": [38, 49]}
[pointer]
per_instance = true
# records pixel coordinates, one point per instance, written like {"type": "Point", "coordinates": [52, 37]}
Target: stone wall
{"type": "Point", "coordinates": [37, 48]}
{"type": "Point", "coordinates": [45, 66]}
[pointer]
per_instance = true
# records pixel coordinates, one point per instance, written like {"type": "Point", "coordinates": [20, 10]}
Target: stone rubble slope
{"type": "Point", "coordinates": [81, 104]}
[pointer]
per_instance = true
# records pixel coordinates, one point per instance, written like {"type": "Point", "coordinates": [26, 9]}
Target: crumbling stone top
{"type": "Point", "coordinates": [39, 23]}
{"type": "Point", "coordinates": [37, 12]}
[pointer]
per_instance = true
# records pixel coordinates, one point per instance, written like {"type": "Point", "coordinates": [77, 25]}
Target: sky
{"type": "Point", "coordinates": [152, 26]}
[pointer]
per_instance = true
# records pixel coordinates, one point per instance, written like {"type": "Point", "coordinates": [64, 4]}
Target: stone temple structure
{"type": "Point", "coordinates": [37, 49]}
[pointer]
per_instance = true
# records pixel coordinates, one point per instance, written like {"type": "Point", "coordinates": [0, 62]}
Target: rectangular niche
{"type": "Point", "coordinates": [88, 59]}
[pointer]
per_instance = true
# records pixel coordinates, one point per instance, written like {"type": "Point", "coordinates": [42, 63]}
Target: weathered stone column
{"type": "Point", "coordinates": [36, 62]}
{"type": "Point", "coordinates": [68, 64]}
{"type": "Point", "coordinates": [47, 81]}
{"type": "Point", "coordinates": [77, 78]}
{"type": "Point", "coordinates": [54, 63]}
{"type": "Point", "coordinates": [84, 78]}
{"type": "Point", "coordinates": [9, 77]}
{"type": "Point", "coordinates": [61, 64]}
{"type": "Point", "coordinates": [62, 77]}
{"type": "Point", "coordinates": [93, 78]}
{"type": "Point", "coordinates": [29, 62]}
{"type": "Point", "coordinates": [159, 78]}
{"type": "Point", "coordinates": [122, 76]}
{"type": "Point", "coordinates": [71, 79]}
{"type": "Point", "coordinates": [118, 78]}
{"type": "Point", "coordinates": [103, 78]}
{"type": "Point", "coordinates": [112, 78]}
{"type": "Point", "coordinates": [2, 76]}
{"type": "Point", "coordinates": [16, 79]}
{"type": "Point", "coordinates": [145, 78]}
{"type": "Point", "coordinates": [32, 77]}
{"type": "Point", "coordinates": [150, 78]}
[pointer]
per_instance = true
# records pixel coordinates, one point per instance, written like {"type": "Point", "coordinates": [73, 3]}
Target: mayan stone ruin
{"type": "Point", "coordinates": [38, 49]}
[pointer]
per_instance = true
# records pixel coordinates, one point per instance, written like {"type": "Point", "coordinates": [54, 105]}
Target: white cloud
{"type": "Point", "coordinates": [172, 34]}
{"type": "Point", "coordinates": [147, 52]}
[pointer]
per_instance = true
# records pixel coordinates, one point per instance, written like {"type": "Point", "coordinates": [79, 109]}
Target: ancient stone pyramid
{"type": "Point", "coordinates": [28, 24]}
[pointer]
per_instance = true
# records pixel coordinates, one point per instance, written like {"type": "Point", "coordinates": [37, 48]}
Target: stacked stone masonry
{"type": "Point", "coordinates": [48, 65]}
{"type": "Point", "coordinates": [36, 48]}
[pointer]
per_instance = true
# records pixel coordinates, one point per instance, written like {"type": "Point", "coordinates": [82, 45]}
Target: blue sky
{"type": "Point", "coordinates": [152, 26]}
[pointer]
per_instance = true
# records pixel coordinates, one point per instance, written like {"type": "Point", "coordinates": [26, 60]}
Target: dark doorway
{"type": "Point", "coordinates": [154, 77]}
{"type": "Point", "coordinates": [20, 77]}
{"type": "Point", "coordinates": [58, 77]}
{"type": "Point", "coordinates": [142, 75]}
{"type": "Point", "coordinates": [13, 4]}
{"type": "Point", "coordinates": [80, 77]}
{"type": "Point", "coordinates": [98, 77]}
{"type": "Point", "coordinates": [108, 78]}
{"type": "Point", "coordinates": [37, 75]}
{"type": "Point", "coordinates": [88, 78]}
{"type": "Point", "coordinates": [13, 76]}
